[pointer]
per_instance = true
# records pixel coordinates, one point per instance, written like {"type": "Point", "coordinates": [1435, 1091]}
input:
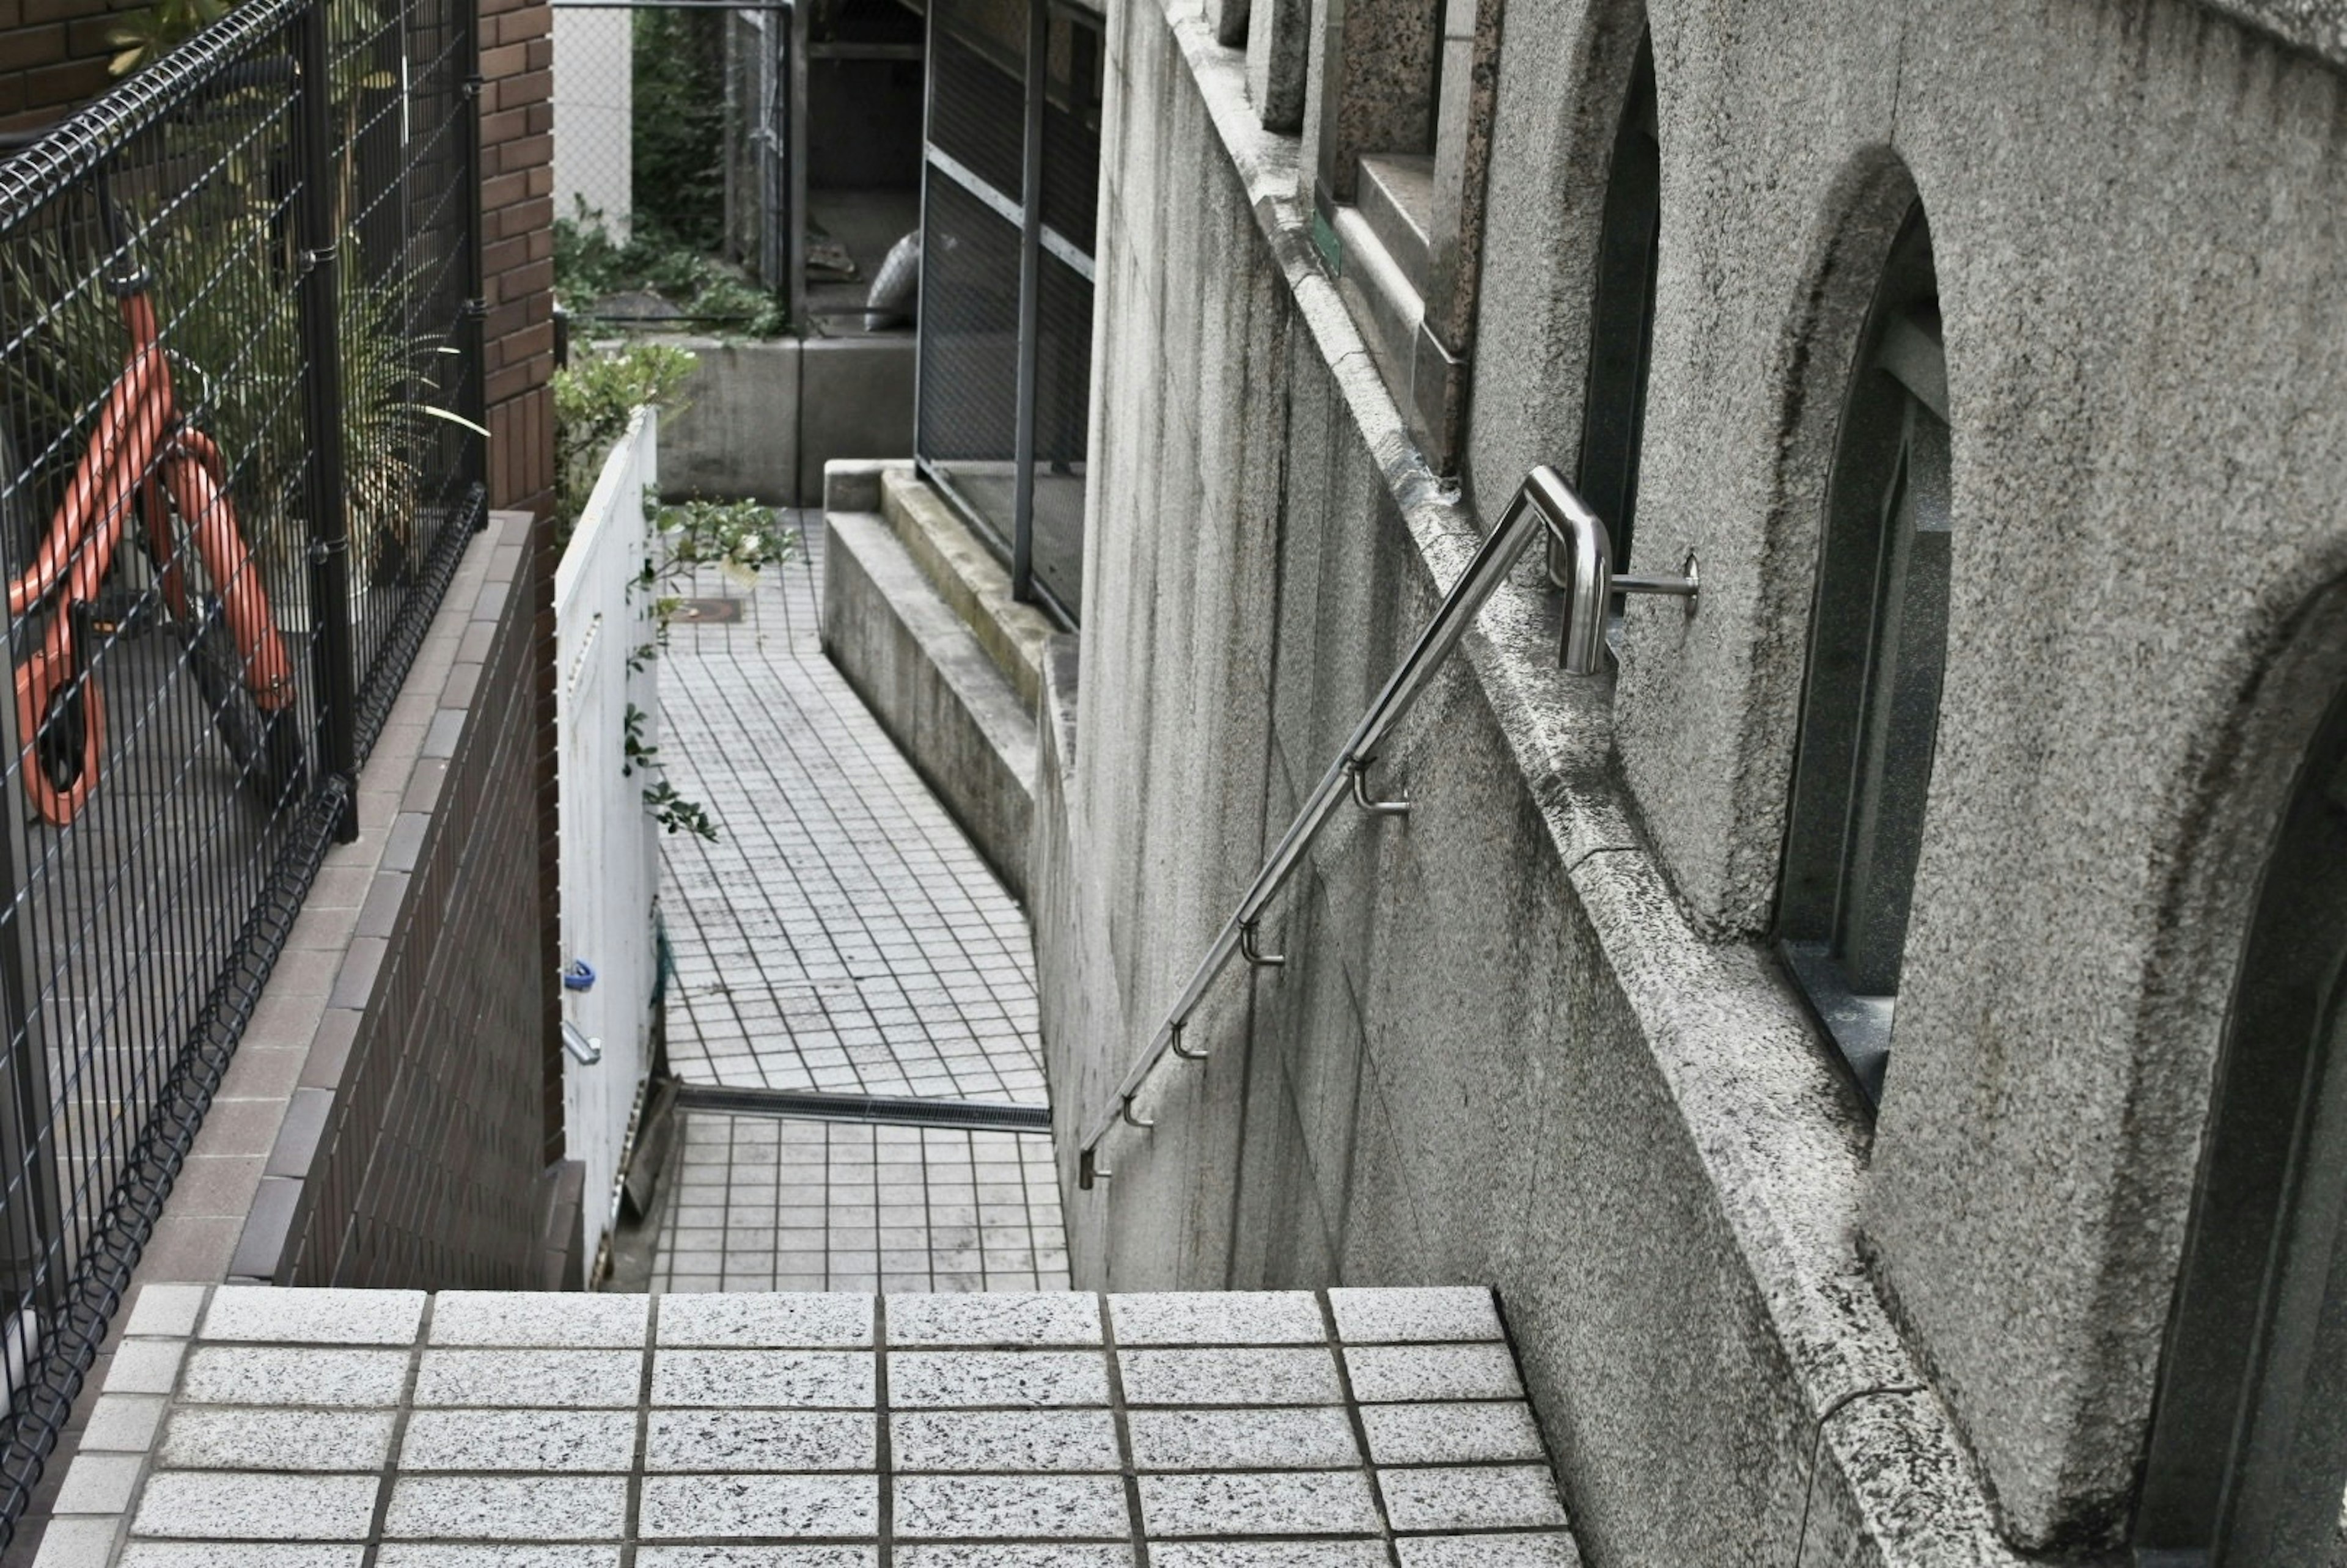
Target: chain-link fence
{"type": "Point", "coordinates": [1012, 185]}
{"type": "Point", "coordinates": [239, 453]}
{"type": "Point", "coordinates": [672, 175]}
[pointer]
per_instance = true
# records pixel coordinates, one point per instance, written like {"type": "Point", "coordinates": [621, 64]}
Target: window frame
{"type": "Point", "coordinates": [1869, 725]}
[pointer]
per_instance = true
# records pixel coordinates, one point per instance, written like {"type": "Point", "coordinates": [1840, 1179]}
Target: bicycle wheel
{"type": "Point", "coordinates": [267, 747]}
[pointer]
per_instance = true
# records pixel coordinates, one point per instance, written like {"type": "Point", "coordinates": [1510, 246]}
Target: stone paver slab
{"type": "Point", "coordinates": [553, 1441]}
{"type": "Point", "coordinates": [226, 1438]}
{"type": "Point", "coordinates": [1031, 1318]}
{"type": "Point", "coordinates": [1401, 1317]}
{"type": "Point", "coordinates": [539, 1508]}
{"type": "Point", "coordinates": [764, 1321]}
{"type": "Point", "coordinates": [1383, 1375]}
{"type": "Point", "coordinates": [207, 1505]}
{"type": "Point", "coordinates": [1482, 1433]}
{"type": "Point", "coordinates": [1005, 1554]}
{"type": "Point", "coordinates": [542, 1379]}
{"type": "Point", "coordinates": [678, 1506]}
{"type": "Point", "coordinates": [1218, 1317]}
{"type": "Point", "coordinates": [261, 1312]}
{"type": "Point", "coordinates": [1555, 1551]}
{"type": "Point", "coordinates": [1269, 1555]}
{"type": "Point", "coordinates": [1014, 1507]}
{"type": "Point", "coordinates": [573, 1320]}
{"type": "Point", "coordinates": [1304, 1436]}
{"type": "Point", "coordinates": [919, 1379]}
{"type": "Point", "coordinates": [1470, 1497]}
{"type": "Point", "coordinates": [1299, 1502]}
{"type": "Point", "coordinates": [241, 1555]}
{"type": "Point", "coordinates": [787, 1378]}
{"type": "Point", "coordinates": [266, 1374]}
{"type": "Point", "coordinates": [1230, 1378]}
{"type": "Point", "coordinates": [798, 1441]}
{"type": "Point", "coordinates": [977, 1440]}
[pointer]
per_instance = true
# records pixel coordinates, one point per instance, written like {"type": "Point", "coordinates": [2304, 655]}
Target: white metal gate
{"type": "Point", "coordinates": [609, 867]}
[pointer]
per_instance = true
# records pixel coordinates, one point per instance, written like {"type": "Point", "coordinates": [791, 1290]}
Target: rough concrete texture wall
{"type": "Point", "coordinates": [1528, 1038]}
{"type": "Point", "coordinates": [2135, 210]}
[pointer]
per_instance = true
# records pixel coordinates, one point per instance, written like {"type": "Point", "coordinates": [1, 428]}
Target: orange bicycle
{"type": "Point", "coordinates": [144, 459]}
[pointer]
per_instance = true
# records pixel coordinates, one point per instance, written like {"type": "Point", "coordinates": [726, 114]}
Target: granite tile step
{"type": "Point", "coordinates": [300, 1429]}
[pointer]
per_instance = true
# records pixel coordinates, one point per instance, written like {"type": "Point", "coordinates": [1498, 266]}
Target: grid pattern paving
{"type": "Point", "coordinates": [841, 934]}
{"type": "Point", "coordinates": [754, 1203]}
{"type": "Point", "coordinates": [312, 1429]}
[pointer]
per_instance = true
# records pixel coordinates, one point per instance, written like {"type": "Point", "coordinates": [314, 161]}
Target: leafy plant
{"type": "Point", "coordinates": [673, 812]}
{"type": "Point", "coordinates": [590, 266]}
{"type": "Point", "coordinates": [677, 131]}
{"type": "Point", "coordinates": [222, 288]}
{"type": "Point", "coordinates": [594, 398]}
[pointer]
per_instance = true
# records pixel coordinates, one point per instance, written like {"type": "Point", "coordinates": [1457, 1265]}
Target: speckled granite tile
{"type": "Point", "coordinates": [1451, 1433]}
{"type": "Point", "coordinates": [1386, 1375]}
{"type": "Point", "coordinates": [1230, 1378]}
{"type": "Point", "coordinates": [995, 1318]}
{"type": "Point", "coordinates": [784, 1440]}
{"type": "Point", "coordinates": [1470, 1497]}
{"type": "Point", "coordinates": [1218, 1317]}
{"type": "Point", "coordinates": [1074, 1506]}
{"type": "Point", "coordinates": [972, 1441]}
{"type": "Point", "coordinates": [929, 1379]}
{"type": "Point", "coordinates": [1298, 1437]}
{"type": "Point", "coordinates": [1299, 1502]}
{"type": "Point", "coordinates": [226, 1437]}
{"type": "Point", "coordinates": [766, 1321]}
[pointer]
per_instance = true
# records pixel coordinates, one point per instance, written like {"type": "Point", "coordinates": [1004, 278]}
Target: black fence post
{"type": "Point", "coordinates": [332, 652]}
{"type": "Point", "coordinates": [476, 304]}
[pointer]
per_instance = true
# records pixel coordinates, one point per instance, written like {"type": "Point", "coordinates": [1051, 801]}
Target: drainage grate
{"type": "Point", "coordinates": [878, 1110]}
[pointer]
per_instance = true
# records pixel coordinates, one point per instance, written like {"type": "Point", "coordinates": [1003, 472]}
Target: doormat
{"type": "Point", "coordinates": [709, 611]}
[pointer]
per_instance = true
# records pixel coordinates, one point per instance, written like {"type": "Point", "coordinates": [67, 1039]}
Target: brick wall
{"type": "Point", "coordinates": [53, 56]}
{"type": "Point", "coordinates": [429, 1168]}
{"type": "Point", "coordinates": [517, 247]}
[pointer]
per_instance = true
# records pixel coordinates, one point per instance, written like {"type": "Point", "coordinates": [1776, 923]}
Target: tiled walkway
{"type": "Point", "coordinates": [840, 937]}
{"type": "Point", "coordinates": [841, 934]}
{"type": "Point", "coordinates": [760, 1204]}
{"type": "Point", "coordinates": [311, 1429]}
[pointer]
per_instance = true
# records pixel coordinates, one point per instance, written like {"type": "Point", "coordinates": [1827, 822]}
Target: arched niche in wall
{"type": "Point", "coordinates": [2248, 1454]}
{"type": "Point", "coordinates": [1877, 648]}
{"type": "Point", "coordinates": [1621, 312]}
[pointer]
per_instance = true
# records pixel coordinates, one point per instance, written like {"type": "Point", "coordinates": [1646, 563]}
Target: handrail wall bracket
{"type": "Point", "coordinates": [1543, 506]}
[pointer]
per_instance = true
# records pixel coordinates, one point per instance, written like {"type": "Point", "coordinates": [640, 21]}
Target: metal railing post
{"type": "Point", "coordinates": [1031, 295]}
{"type": "Point", "coordinates": [332, 654]}
{"type": "Point", "coordinates": [476, 303]}
{"type": "Point", "coordinates": [1543, 506]}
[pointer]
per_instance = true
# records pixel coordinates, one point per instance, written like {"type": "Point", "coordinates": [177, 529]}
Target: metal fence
{"type": "Point", "coordinates": [1009, 196]}
{"type": "Point", "coordinates": [673, 180]}
{"type": "Point", "coordinates": [239, 455]}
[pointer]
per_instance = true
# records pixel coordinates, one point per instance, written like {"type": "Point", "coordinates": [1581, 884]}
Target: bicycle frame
{"type": "Point", "coordinates": [142, 452]}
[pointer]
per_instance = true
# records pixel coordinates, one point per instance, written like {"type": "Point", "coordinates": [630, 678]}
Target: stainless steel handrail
{"type": "Point", "coordinates": [1544, 504]}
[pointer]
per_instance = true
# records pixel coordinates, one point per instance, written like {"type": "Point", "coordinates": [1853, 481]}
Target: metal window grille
{"type": "Point", "coordinates": [1009, 196]}
{"type": "Point", "coordinates": [215, 592]}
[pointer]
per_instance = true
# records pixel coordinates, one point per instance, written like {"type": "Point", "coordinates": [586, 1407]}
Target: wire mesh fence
{"type": "Point", "coordinates": [1010, 205]}
{"type": "Point", "coordinates": [671, 163]}
{"type": "Point", "coordinates": [239, 403]}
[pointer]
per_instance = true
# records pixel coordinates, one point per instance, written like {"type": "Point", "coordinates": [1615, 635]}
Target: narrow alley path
{"type": "Point", "coordinates": [840, 937]}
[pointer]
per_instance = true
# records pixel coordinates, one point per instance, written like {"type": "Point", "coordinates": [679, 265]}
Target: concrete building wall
{"type": "Point", "coordinates": [1531, 1036]}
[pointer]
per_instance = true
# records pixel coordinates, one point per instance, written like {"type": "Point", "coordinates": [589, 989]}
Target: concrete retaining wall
{"type": "Point", "coordinates": [764, 417]}
{"type": "Point", "coordinates": [1529, 1037]}
{"type": "Point", "coordinates": [933, 688]}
